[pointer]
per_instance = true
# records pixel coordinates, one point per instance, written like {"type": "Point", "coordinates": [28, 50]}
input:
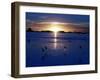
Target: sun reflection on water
{"type": "Point", "coordinates": [55, 40]}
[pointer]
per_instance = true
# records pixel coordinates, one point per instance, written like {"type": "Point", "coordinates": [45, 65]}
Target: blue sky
{"type": "Point", "coordinates": [46, 17]}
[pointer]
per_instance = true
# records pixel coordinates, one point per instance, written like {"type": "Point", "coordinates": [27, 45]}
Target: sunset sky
{"type": "Point", "coordinates": [57, 22]}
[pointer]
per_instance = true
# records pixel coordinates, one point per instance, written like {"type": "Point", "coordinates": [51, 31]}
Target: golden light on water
{"type": "Point", "coordinates": [55, 34]}
{"type": "Point", "coordinates": [55, 28]}
{"type": "Point", "coordinates": [55, 43]}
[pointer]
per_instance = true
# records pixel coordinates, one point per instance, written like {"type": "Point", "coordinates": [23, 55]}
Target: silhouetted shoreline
{"type": "Point", "coordinates": [30, 30]}
{"type": "Point", "coordinates": [59, 32]}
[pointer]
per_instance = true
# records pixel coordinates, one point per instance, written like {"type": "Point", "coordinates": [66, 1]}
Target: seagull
{"type": "Point", "coordinates": [44, 50]}
{"type": "Point", "coordinates": [65, 48]}
{"type": "Point", "coordinates": [80, 46]}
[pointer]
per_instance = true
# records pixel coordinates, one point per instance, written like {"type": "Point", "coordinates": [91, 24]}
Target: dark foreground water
{"type": "Point", "coordinates": [43, 49]}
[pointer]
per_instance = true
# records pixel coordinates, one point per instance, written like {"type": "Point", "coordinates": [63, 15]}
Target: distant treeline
{"type": "Point", "coordinates": [30, 30]}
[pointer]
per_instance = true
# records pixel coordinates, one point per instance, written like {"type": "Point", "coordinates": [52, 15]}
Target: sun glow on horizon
{"type": "Point", "coordinates": [54, 27]}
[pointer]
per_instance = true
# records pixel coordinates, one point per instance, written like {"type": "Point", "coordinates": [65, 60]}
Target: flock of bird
{"type": "Point", "coordinates": [45, 51]}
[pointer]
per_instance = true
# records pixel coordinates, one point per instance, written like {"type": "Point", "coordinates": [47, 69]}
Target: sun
{"type": "Point", "coordinates": [55, 29]}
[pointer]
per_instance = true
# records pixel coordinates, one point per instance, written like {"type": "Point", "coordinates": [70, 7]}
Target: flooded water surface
{"type": "Point", "coordinates": [48, 49]}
